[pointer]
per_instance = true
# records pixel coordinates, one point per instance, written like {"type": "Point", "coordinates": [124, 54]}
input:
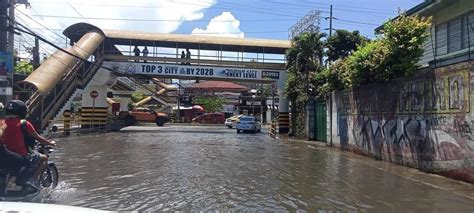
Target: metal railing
{"type": "Point", "coordinates": [43, 108]}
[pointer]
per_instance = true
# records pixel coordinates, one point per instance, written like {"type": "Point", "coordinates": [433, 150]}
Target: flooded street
{"type": "Point", "coordinates": [213, 168]}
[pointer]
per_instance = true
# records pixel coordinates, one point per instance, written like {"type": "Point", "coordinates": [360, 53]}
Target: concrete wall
{"type": "Point", "coordinates": [426, 121]}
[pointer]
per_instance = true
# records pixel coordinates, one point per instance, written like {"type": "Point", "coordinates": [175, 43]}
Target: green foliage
{"type": "Point", "coordinates": [23, 67]}
{"type": "Point", "coordinates": [306, 53]}
{"type": "Point", "coordinates": [393, 54]}
{"type": "Point", "coordinates": [137, 96]}
{"type": "Point", "coordinates": [343, 43]}
{"type": "Point", "coordinates": [211, 104]}
{"type": "Point", "coordinates": [305, 60]}
{"type": "Point", "coordinates": [368, 65]}
{"type": "Point", "coordinates": [357, 61]}
{"type": "Point", "coordinates": [130, 106]}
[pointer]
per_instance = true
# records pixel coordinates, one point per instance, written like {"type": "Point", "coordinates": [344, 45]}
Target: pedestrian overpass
{"type": "Point", "coordinates": [100, 56]}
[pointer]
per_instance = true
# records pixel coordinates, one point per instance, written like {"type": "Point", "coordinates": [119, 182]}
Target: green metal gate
{"type": "Point", "coordinates": [320, 121]}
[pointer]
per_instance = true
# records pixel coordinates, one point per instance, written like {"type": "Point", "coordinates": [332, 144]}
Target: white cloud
{"type": "Point", "coordinates": [171, 13]}
{"type": "Point", "coordinates": [225, 25]}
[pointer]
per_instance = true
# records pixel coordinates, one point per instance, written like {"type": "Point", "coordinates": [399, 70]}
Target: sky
{"type": "Point", "coordinates": [266, 19]}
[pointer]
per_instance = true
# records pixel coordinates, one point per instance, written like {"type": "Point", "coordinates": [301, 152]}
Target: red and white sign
{"type": "Point", "coordinates": [94, 94]}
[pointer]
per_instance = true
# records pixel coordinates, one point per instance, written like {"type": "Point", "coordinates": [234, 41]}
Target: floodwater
{"type": "Point", "coordinates": [213, 168]}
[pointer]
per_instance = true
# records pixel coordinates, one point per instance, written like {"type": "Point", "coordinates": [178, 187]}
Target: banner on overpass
{"type": "Point", "coordinates": [192, 71]}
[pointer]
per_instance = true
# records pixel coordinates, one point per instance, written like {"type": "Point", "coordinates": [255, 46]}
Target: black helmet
{"type": "Point", "coordinates": [16, 107]}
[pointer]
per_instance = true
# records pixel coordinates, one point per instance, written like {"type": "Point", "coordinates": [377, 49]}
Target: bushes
{"type": "Point", "coordinates": [393, 54]}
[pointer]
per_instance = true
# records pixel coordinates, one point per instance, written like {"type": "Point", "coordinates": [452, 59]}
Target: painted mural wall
{"type": "Point", "coordinates": [424, 122]}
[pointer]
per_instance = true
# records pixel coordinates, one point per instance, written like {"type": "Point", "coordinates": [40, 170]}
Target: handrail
{"type": "Point", "coordinates": [69, 82]}
{"type": "Point", "coordinates": [151, 91]}
{"type": "Point", "coordinates": [201, 56]}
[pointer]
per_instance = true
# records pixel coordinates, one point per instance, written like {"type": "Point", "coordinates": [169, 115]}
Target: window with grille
{"type": "Point", "coordinates": [456, 34]}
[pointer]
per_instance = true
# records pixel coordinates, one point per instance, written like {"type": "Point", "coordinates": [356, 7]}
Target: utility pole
{"type": "Point", "coordinates": [330, 21]}
{"type": "Point", "coordinates": [5, 87]}
{"type": "Point", "coordinates": [3, 25]}
{"type": "Point", "coordinates": [11, 24]}
{"type": "Point", "coordinates": [36, 56]}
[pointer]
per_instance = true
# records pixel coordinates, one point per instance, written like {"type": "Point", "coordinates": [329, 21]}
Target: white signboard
{"type": "Point", "coordinates": [228, 108]}
{"type": "Point", "coordinates": [6, 91]}
{"type": "Point", "coordinates": [192, 71]}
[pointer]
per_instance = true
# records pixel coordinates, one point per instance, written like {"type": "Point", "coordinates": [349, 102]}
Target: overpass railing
{"type": "Point", "coordinates": [43, 108]}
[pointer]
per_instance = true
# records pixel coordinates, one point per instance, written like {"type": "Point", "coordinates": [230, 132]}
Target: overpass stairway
{"type": "Point", "coordinates": [141, 87]}
{"type": "Point", "coordinates": [45, 110]}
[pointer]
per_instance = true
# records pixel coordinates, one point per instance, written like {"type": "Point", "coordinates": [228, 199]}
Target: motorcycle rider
{"type": "Point", "coordinates": [17, 137]}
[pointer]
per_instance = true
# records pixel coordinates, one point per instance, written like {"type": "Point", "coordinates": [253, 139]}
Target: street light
{"type": "Point", "coordinates": [253, 106]}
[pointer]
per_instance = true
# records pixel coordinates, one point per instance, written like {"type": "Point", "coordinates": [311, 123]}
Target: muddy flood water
{"type": "Point", "coordinates": [212, 168]}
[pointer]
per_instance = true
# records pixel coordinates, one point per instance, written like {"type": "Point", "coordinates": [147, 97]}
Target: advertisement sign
{"type": "Point", "coordinates": [271, 75]}
{"type": "Point", "coordinates": [191, 71]}
{"type": "Point", "coordinates": [6, 65]}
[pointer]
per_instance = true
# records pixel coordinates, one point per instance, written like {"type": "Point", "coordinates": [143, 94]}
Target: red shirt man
{"type": "Point", "coordinates": [13, 135]}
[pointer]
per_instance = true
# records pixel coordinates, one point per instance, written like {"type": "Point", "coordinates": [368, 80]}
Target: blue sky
{"type": "Point", "coordinates": [284, 13]}
{"type": "Point", "coordinates": [269, 19]}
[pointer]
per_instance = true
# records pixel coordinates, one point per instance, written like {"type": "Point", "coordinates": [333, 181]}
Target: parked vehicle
{"type": "Point", "coordinates": [232, 121]}
{"type": "Point", "coordinates": [210, 118]}
{"type": "Point", "coordinates": [248, 123]}
{"type": "Point", "coordinates": [142, 114]}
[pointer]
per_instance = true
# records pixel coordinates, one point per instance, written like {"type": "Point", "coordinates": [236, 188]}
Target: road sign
{"type": "Point", "coordinates": [94, 94]}
{"type": "Point", "coordinates": [274, 87]}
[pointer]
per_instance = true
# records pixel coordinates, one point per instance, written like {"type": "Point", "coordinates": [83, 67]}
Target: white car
{"type": "Point", "coordinates": [248, 123]}
{"type": "Point", "coordinates": [232, 121]}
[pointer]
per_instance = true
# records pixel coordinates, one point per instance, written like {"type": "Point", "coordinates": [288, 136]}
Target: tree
{"type": "Point", "coordinates": [211, 104]}
{"type": "Point", "coordinates": [393, 54]}
{"type": "Point", "coordinates": [343, 43]}
{"type": "Point", "coordinates": [305, 60]}
{"type": "Point", "coordinates": [23, 67]}
{"type": "Point", "coordinates": [137, 96]}
{"type": "Point", "coordinates": [306, 53]}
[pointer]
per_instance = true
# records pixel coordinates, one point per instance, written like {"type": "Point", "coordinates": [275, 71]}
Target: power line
{"type": "Point", "coordinates": [244, 9]}
{"type": "Point", "coordinates": [32, 33]}
{"type": "Point", "coordinates": [160, 20]}
{"type": "Point", "coordinates": [357, 22]}
{"type": "Point", "coordinates": [29, 17]}
{"type": "Point", "coordinates": [207, 33]}
{"type": "Point", "coordinates": [361, 9]}
{"type": "Point", "coordinates": [76, 11]}
{"type": "Point", "coordinates": [365, 11]}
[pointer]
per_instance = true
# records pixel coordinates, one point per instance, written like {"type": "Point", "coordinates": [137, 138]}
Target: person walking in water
{"type": "Point", "coordinates": [188, 55]}
{"type": "Point", "coordinates": [145, 53]}
{"type": "Point", "coordinates": [183, 56]}
{"type": "Point", "coordinates": [136, 51]}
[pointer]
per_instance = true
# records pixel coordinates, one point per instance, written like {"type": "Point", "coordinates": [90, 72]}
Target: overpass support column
{"type": "Point", "coordinates": [284, 110]}
{"type": "Point", "coordinates": [94, 111]}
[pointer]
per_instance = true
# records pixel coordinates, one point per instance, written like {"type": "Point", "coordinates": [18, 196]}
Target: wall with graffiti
{"type": "Point", "coordinates": [424, 122]}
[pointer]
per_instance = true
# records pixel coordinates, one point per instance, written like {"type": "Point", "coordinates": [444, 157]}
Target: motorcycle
{"type": "Point", "coordinates": [47, 180]}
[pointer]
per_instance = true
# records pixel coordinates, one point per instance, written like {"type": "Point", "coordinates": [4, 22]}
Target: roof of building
{"type": "Point", "coordinates": [218, 86]}
{"type": "Point", "coordinates": [120, 37]}
{"type": "Point", "coordinates": [425, 8]}
{"type": "Point", "coordinates": [420, 7]}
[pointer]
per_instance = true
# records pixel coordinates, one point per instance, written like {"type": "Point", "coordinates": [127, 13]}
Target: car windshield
{"type": "Point", "coordinates": [246, 119]}
{"type": "Point", "coordinates": [239, 105]}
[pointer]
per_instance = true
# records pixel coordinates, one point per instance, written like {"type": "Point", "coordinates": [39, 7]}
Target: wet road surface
{"type": "Point", "coordinates": [214, 168]}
